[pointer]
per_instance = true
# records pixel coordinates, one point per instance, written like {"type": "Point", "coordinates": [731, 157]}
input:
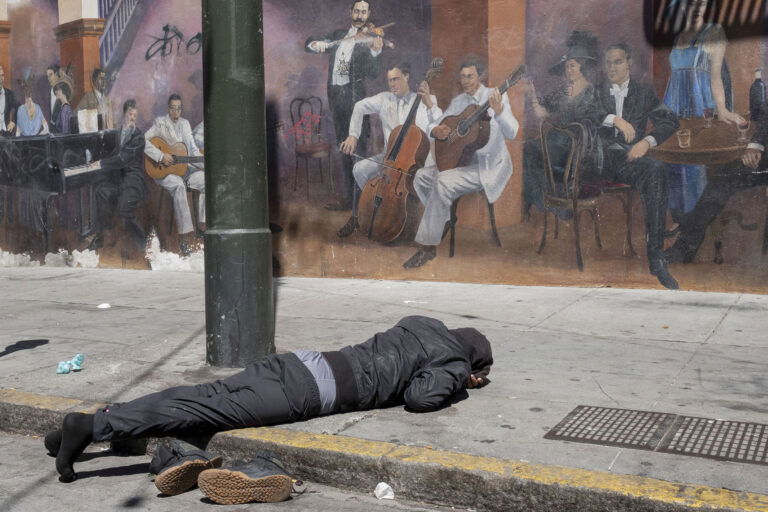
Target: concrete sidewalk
{"type": "Point", "coordinates": [698, 354]}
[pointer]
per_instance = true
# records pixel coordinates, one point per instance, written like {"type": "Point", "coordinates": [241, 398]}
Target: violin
{"type": "Point", "coordinates": [367, 35]}
{"type": "Point", "coordinates": [387, 211]}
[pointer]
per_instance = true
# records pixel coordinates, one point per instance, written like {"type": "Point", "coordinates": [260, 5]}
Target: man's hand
{"type": "Point", "coordinates": [625, 128]}
{"type": "Point", "coordinates": [441, 132]}
{"type": "Point", "coordinates": [167, 160]}
{"type": "Point", "coordinates": [377, 44]}
{"type": "Point", "coordinates": [474, 382]}
{"type": "Point", "coordinates": [638, 150]}
{"type": "Point", "coordinates": [349, 145]}
{"type": "Point", "coordinates": [751, 157]}
{"type": "Point", "coordinates": [319, 46]}
{"type": "Point", "coordinates": [495, 100]}
{"type": "Point", "coordinates": [11, 126]}
{"type": "Point", "coordinates": [425, 96]}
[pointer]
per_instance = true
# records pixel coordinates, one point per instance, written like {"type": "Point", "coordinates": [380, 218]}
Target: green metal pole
{"type": "Point", "coordinates": [238, 254]}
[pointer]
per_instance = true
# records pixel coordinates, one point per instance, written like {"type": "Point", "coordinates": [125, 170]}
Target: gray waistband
{"type": "Point", "coordinates": [321, 371]}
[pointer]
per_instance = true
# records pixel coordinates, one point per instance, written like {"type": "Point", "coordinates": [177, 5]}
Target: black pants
{"type": "Point", "coordinates": [341, 99]}
{"type": "Point", "coordinates": [279, 389]}
{"type": "Point", "coordinates": [650, 178]}
{"type": "Point", "coordinates": [726, 181]}
{"type": "Point", "coordinates": [130, 191]}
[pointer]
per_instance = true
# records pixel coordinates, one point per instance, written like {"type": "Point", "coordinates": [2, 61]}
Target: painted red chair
{"type": "Point", "coordinates": [306, 126]}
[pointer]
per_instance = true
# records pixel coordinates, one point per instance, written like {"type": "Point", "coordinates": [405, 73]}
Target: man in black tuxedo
{"type": "Point", "coordinates": [751, 170]}
{"type": "Point", "coordinates": [350, 63]}
{"type": "Point", "coordinates": [129, 187]}
{"type": "Point", "coordinates": [8, 107]}
{"type": "Point", "coordinates": [629, 106]}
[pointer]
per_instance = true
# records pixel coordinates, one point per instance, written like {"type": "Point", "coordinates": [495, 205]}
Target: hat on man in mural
{"type": "Point", "coordinates": [581, 44]}
{"type": "Point", "coordinates": [65, 78]}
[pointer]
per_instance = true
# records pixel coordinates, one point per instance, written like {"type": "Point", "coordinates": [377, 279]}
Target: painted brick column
{"type": "Point", "coordinates": [78, 36]}
{"type": "Point", "coordinates": [496, 32]}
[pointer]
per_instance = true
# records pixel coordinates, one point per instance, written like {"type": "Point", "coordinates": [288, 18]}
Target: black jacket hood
{"type": "Point", "coordinates": [478, 349]}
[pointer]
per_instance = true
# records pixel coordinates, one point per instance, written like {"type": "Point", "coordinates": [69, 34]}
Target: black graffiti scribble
{"type": "Point", "coordinates": [173, 40]}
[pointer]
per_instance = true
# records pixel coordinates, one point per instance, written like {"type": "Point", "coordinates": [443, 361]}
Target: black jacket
{"type": "Point", "coordinates": [11, 106]}
{"type": "Point", "coordinates": [129, 157]}
{"type": "Point", "coordinates": [640, 106]}
{"type": "Point", "coordinates": [419, 363]}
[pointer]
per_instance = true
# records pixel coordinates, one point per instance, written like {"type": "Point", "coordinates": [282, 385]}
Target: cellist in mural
{"type": "Point", "coordinates": [392, 107]}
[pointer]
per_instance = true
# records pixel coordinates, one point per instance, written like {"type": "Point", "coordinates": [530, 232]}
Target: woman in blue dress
{"type": "Point", "coordinates": [29, 117]}
{"type": "Point", "coordinates": [699, 81]}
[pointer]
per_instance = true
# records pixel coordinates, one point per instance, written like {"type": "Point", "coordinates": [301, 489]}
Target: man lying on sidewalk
{"type": "Point", "coordinates": [419, 363]}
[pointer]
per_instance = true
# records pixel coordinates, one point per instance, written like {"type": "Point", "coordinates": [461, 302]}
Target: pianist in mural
{"type": "Point", "coordinates": [126, 183]}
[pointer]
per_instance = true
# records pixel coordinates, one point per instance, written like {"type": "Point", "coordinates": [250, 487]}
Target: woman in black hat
{"type": "Point", "coordinates": [574, 101]}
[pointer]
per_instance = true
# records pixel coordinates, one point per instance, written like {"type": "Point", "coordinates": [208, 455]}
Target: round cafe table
{"type": "Point", "coordinates": [715, 145]}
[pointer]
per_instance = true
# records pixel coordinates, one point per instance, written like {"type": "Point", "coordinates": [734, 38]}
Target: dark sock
{"type": "Point", "coordinates": [53, 442]}
{"type": "Point", "coordinates": [77, 434]}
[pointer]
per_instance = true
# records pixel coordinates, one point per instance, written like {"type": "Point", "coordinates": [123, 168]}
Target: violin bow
{"type": "Point", "coordinates": [361, 157]}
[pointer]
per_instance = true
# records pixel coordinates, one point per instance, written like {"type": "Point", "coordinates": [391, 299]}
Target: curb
{"type": "Point", "coordinates": [422, 474]}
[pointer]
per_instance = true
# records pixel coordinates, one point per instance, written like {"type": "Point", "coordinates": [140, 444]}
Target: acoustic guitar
{"type": "Point", "coordinates": [181, 159]}
{"type": "Point", "coordinates": [470, 130]}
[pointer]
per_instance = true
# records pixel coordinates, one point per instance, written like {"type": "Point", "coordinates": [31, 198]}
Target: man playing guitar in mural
{"type": "Point", "coordinates": [392, 108]}
{"type": "Point", "coordinates": [487, 169]}
{"type": "Point", "coordinates": [353, 57]}
{"type": "Point", "coordinates": [174, 129]}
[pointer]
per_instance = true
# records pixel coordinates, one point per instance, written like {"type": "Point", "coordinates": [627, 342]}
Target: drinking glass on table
{"type": "Point", "coordinates": [743, 129]}
{"type": "Point", "coordinates": [709, 115]}
{"type": "Point", "coordinates": [684, 138]}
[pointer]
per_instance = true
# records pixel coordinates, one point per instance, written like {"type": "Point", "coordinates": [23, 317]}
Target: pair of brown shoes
{"type": "Point", "coordinates": [182, 466]}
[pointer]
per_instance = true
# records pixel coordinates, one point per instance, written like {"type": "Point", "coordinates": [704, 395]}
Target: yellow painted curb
{"type": "Point", "coordinates": [691, 495]}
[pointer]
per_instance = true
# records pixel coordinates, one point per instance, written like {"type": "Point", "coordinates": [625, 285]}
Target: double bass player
{"type": "Point", "coordinates": [489, 169]}
{"type": "Point", "coordinates": [392, 108]}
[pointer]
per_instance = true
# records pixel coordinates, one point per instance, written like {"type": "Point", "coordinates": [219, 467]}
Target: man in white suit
{"type": "Point", "coordinates": [392, 108]}
{"type": "Point", "coordinates": [490, 169]}
{"type": "Point", "coordinates": [173, 128]}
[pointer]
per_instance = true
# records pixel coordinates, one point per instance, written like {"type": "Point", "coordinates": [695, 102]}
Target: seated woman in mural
{"type": "Point", "coordinates": [699, 80]}
{"type": "Point", "coordinates": [60, 119]}
{"type": "Point", "coordinates": [574, 101]}
{"type": "Point", "coordinates": [29, 117]}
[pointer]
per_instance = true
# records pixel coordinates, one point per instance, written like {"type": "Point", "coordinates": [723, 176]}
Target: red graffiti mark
{"type": "Point", "coordinates": [305, 127]}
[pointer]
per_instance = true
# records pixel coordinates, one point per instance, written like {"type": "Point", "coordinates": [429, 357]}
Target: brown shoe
{"type": "Point", "coordinates": [348, 228]}
{"type": "Point", "coordinates": [422, 256]}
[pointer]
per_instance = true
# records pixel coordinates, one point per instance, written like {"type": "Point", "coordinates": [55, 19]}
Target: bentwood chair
{"type": "Point", "coordinates": [566, 195]}
{"type": "Point", "coordinates": [306, 126]}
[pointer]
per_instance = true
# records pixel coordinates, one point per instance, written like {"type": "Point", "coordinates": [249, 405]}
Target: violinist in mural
{"type": "Point", "coordinates": [628, 105]}
{"type": "Point", "coordinates": [393, 108]}
{"type": "Point", "coordinates": [488, 168]}
{"type": "Point", "coordinates": [353, 56]}
{"type": "Point", "coordinates": [699, 82]}
{"type": "Point", "coordinates": [574, 101]}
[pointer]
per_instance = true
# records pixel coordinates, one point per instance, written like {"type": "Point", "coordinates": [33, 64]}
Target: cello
{"type": "Point", "coordinates": [385, 212]}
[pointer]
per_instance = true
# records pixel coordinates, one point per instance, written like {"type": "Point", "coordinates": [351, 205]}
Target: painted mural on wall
{"type": "Point", "coordinates": [422, 139]}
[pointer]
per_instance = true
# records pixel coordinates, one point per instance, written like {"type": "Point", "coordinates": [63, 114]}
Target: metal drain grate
{"type": "Point", "coordinates": [668, 433]}
{"type": "Point", "coordinates": [718, 439]}
{"type": "Point", "coordinates": [614, 427]}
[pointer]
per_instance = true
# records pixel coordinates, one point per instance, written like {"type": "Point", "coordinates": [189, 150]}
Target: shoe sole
{"type": "Point", "coordinates": [179, 479]}
{"type": "Point", "coordinates": [233, 487]}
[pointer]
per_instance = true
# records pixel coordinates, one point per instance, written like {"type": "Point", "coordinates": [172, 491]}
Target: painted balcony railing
{"type": "Point", "coordinates": [117, 13]}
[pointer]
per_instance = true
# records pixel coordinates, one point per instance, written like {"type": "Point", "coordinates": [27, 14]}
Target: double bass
{"type": "Point", "coordinates": [385, 212]}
